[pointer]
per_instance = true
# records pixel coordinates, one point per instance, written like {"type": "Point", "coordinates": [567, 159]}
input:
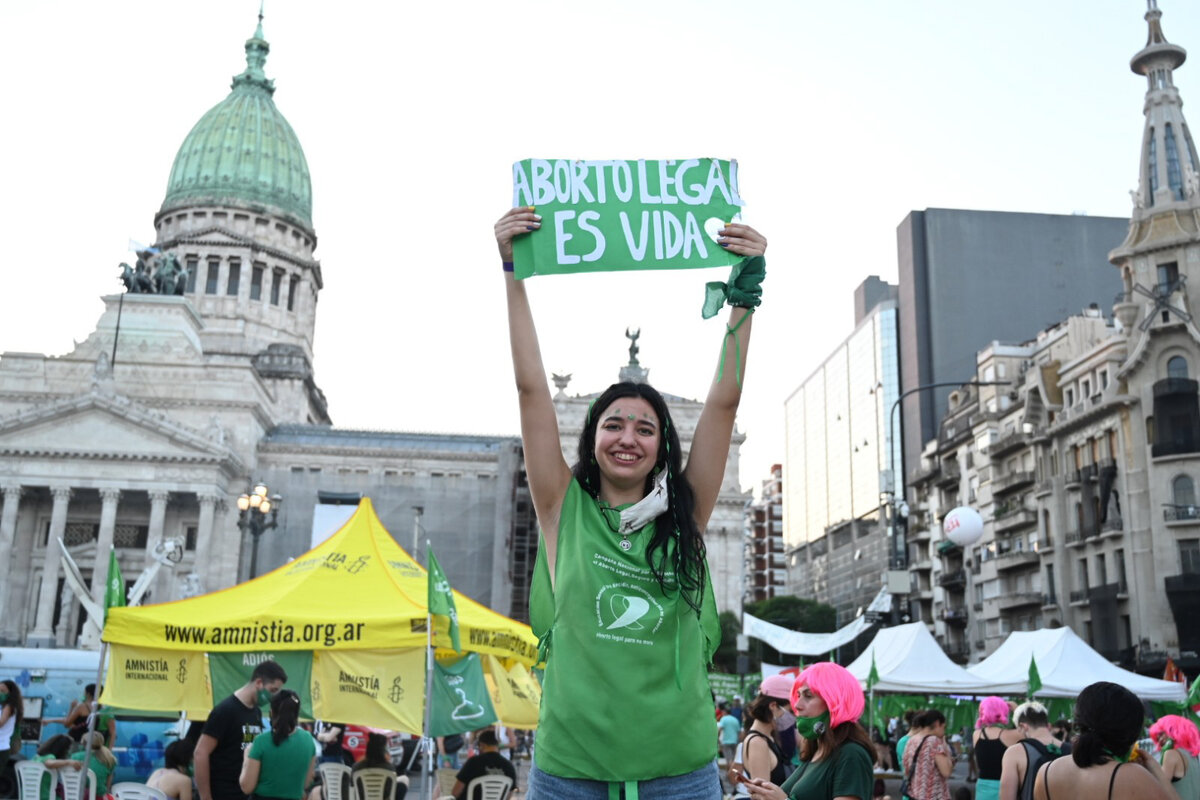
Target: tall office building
{"type": "Point", "coordinates": [968, 278]}
{"type": "Point", "coordinates": [836, 427]}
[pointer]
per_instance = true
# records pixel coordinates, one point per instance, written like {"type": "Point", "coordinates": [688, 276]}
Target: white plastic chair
{"type": "Point", "coordinates": [334, 779]}
{"type": "Point", "coordinates": [29, 778]}
{"type": "Point", "coordinates": [374, 784]}
{"type": "Point", "coordinates": [489, 787]}
{"type": "Point", "coordinates": [71, 779]}
{"type": "Point", "coordinates": [127, 790]}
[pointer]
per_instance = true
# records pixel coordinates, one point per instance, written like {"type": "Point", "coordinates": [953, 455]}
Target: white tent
{"type": "Point", "coordinates": [1066, 664]}
{"type": "Point", "coordinates": [909, 660]}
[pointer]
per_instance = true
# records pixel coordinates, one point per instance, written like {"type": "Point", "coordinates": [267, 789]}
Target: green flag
{"type": "Point", "coordinates": [873, 677]}
{"type": "Point", "coordinates": [114, 590]}
{"type": "Point", "coordinates": [1035, 680]}
{"type": "Point", "coordinates": [441, 598]}
{"type": "Point", "coordinates": [1193, 698]}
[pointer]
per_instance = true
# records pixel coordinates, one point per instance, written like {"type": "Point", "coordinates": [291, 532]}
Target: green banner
{"type": "Point", "coordinates": [725, 685]}
{"type": "Point", "coordinates": [231, 671]}
{"type": "Point", "coordinates": [600, 216]}
{"type": "Point", "coordinates": [461, 700]}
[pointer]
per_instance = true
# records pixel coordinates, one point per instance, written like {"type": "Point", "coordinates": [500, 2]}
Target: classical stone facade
{"type": "Point", "coordinates": [141, 438]}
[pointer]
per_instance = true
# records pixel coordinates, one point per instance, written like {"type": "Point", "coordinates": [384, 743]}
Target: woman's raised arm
{"type": "Point", "coordinates": [710, 445]}
{"type": "Point", "coordinates": [545, 466]}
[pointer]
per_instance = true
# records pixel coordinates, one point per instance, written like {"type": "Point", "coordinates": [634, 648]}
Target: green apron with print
{"type": "Point", "coordinates": [625, 695]}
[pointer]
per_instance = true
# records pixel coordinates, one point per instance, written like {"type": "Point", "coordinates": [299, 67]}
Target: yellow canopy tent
{"type": "Point", "coordinates": [357, 602]}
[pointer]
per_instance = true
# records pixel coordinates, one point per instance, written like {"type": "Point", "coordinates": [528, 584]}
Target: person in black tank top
{"type": "Point", "coordinates": [761, 755]}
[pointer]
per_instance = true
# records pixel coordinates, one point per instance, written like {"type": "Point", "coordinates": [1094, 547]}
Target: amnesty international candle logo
{"type": "Point", "coordinates": [182, 673]}
{"type": "Point", "coordinates": [396, 693]}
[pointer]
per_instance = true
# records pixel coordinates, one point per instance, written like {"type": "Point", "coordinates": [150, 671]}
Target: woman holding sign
{"type": "Point", "coordinates": [621, 599]}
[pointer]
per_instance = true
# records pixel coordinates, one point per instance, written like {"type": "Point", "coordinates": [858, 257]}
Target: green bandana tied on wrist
{"type": "Point", "coordinates": [743, 290]}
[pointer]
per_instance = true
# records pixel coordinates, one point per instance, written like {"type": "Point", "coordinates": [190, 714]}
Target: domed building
{"type": "Point", "coordinates": [198, 384]}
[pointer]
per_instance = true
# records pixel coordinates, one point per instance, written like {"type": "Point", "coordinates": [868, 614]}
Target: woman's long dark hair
{"type": "Point", "coordinates": [1109, 719]}
{"type": "Point", "coordinates": [688, 562]}
{"type": "Point", "coordinates": [285, 715]}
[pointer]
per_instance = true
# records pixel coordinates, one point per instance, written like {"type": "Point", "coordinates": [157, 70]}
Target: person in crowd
{"type": "Point", "coordinates": [280, 762]}
{"type": "Point", "coordinates": [376, 756]}
{"type": "Point", "coordinates": [883, 753]}
{"type": "Point", "coordinates": [1104, 762]}
{"type": "Point", "coordinates": [911, 729]}
{"type": "Point", "coordinates": [728, 733]}
{"type": "Point", "coordinates": [12, 709]}
{"type": "Point", "coordinates": [927, 758]}
{"type": "Point", "coordinates": [622, 535]}
{"type": "Point", "coordinates": [835, 752]}
{"type": "Point", "coordinates": [230, 728]}
{"type": "Point", "coordinates": [487, 762]}
{"type": "Point", "coordinates": [76, 718]}
{"type": "Point", "coordinates": [448, 748]}
{"type": "Point", "coordinates": [1022, 760]}
{"type": "Point", "coordinates": [174, 778]}
{"type": "Point", "coordinates": [1177, 739]}
{"type": "Point", "coordinates": [735, 708]}
{"type": "Point", "coordinates": [54, 754]}
{"type": "Point", "coordinates": [329, 737]}
{"type": "Point", "coordinates": [992, 737]}
{"type": "Point", "coordinates": [761, 756]}
{"type": "Point", "coordinates": [100, 761]}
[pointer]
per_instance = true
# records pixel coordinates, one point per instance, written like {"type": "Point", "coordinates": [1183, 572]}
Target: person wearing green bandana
{"type": "Point", "coordinates": [836, 755]}
{"type": "Point", "coordinates": [1105, 761]}
{"type": "Point", "coordinates": [231, 727]}
{"type": "Point", "coordinates": [621, 600]}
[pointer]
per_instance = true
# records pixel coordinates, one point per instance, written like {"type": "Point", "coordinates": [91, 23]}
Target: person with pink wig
{"type": "Point", "coordinates": [1178, 741]}
{"type": "Point", "coordinates": [836, 755]}
{"type": "Point", "coordinates": [992, 737]}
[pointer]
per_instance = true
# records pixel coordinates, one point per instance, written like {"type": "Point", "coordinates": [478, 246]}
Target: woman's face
{"type": "Point", "coordinates": [808, 704]}
{"type": "Point", "coordinates": [627, 437]}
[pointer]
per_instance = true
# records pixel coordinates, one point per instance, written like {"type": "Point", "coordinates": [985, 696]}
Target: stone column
{"type": "Point", "coordinates": [64, 634]}
{"type": "Point", "coordinates": [104, 541]}
{"type": "Point", "coordinates": [204, 536]}
{"type": "Point", "coordinates": [158, 513]}
{"type": "Point", "coordinates": [8, 531]}
{"type": "Point", "coordinates": [43, 634]}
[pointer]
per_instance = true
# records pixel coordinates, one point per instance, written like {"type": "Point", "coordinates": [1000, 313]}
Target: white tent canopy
{"type": "Point", "coordinates": [801, 644]}
{"type": "Point", "coordinates": [1066, 664]}
{"type": "Point", "coordinates": [909, 660]}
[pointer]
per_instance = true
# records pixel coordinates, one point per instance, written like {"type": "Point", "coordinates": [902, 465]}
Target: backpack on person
{"type": "Point", "coordinates": [1036, 754]}
{"type": "Point", "coordinates": [452, 743]}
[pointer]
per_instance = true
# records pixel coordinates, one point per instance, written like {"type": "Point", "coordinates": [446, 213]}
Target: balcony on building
{"type": "Point", "coordinates": [1075, 538]}
{"type": "Point", "coordinates": [958, 652]}
{"type": "Point", "coordinates": [1012, 481]}
{"type": "Point", "coordinates": [1017, 559]}
{"type": "Point", "coordinates": [924, 474]}
{"type": "Point", "coordinates": [1011, 601]}
{"type": "Point", "coordinates": [1176, 417]}
{"type": "Point", "coordinates": [1043, 487]}
{"type": "Point", "coordinates": [948, 549]}
{"type": "Point", "coordinates": [954, 581]}
{"type": "Point", "coordinates": [1049, 601]}
{"type": "Point", "coordinates": [1112, 527]}
{"type": "Point", "coordinates": [955, 615]}
{"type": "Point", "coordinates": [1182, 515]}
{"type": "Point", "coordinates": [1079, 597]}
{"type": "Point", "coordinates": [1008, 442]}
{"type": "Point", "coordinates": [951, 474]}
{"type": "Point", "coordinates": [954, 432]}
{"type": "Point", "coordinates": [1012, 516]}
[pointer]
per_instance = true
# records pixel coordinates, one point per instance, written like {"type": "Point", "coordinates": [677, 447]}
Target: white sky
{"type": "Point", "coordinates": [844, 117]}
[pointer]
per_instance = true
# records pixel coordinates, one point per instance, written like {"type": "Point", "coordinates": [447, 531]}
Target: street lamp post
{"type": "Point", "coordinates": [257, 512]}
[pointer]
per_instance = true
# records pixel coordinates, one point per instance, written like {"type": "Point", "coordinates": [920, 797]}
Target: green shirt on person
{"type": "Point", "coordinates": [849, 772]}
{"type": "Point", "coordinates": [283, 768]}
{"type": "Point", "coordinates": [103, 773]}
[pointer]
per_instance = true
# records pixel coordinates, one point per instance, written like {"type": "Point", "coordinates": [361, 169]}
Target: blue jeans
{"type": "Point", "coordinates": [703, 784]}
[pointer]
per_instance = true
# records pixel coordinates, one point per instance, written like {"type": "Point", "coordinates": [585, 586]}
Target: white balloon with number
{"type": "Point", "coordinates": [963, 526]}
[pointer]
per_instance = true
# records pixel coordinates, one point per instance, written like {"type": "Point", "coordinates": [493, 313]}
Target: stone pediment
{"type": "Point", "coordinates": [109, 427]}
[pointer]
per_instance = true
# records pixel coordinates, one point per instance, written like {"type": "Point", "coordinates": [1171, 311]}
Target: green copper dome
{"type": "Point", "coordinates": [243, 151]}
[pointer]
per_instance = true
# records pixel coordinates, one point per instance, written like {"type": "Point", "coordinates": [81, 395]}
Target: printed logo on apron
{"type": "Point", "coordinates": [627, 613]}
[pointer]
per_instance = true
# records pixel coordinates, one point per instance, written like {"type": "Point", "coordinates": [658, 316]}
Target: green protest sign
{"type": "Point", "coordinates": [461, 700]}
{"type": "Point", "coordinates": [600, 216]}
{"type": "Point", "coordinates": [231, 671]}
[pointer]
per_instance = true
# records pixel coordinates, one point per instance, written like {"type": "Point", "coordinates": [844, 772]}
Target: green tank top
{"type": "Point", "coordinates": [625, 695]}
